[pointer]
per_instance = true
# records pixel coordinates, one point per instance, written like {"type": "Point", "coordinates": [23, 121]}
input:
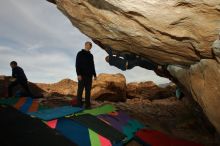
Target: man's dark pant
{"type": "Point", "coordinates": [24, 85]}
{"type": "Point", "coordinates": [85, 83]}
{"type": "Point", "coordinates": [141, 63]}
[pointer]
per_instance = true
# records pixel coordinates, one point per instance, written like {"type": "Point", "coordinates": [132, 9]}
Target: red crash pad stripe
{"type": "Point", "coordinates": [104, 141]}
{"type": "Point", "coordinates": [20, 102]}
{"type": "Point", "coordinates": [52, 124]}
{"type": "Point", "coordinates": [156, 138]}
{"type": "Point", "coordinates": [34, 107]}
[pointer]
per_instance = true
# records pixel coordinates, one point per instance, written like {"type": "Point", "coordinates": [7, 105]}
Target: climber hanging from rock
{"type": "Point", "coordinates": [128, 61]}
{"type": "Point", "coordinates": [125, 61]}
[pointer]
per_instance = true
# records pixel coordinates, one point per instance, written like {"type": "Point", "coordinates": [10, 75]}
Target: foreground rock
{"type": "Point", "coordinates": [203, 79]}
{"type": "Point", "coordinates": [149, 90]}
{"type": "Point", "coordinates": [167, 32]}
{"type": "Point", "coordinates": [109, 88]}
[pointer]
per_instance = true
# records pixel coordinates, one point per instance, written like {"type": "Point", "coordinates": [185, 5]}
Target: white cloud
{"type": "Point", "coordinates": [44, 42]}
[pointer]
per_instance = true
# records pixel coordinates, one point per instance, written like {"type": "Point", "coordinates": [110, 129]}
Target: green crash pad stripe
{"type": "Point", "coordinates": [99, 110]}
{"type": "Point", "coordinates": [94, 138]}
{"type": "Point", "coordinates": [100, 127]}
{"type": "Point", "coordinates": [90, 138]}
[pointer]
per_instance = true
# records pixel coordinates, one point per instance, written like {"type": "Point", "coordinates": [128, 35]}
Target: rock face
{"type": "Point", "coordinates": [203, 81]}
{"type": "Point", "coordinates": [149, 90]}
{"type": "Point", "coordinates": [168, 32]}
{"type": "Point", "coordinates": [65, 87]}
{"type": "Point", "coordinates": [3, 85]}
{"type": "Point", "coordinates": [177, 32]}
{"type": "Point", "coordinates": [109, 87]}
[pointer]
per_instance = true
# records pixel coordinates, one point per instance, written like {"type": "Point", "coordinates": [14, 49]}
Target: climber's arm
{"type": "Point", "coordinates": [109, 51]}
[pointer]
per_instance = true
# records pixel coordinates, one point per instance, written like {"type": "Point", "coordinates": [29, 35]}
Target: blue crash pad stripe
{"type": "Point", "coordinates": [24, 108]}
{"type": "Point", "coordinates": [54, 113]}
{"type": "Point", "coordinates": [74, 132]}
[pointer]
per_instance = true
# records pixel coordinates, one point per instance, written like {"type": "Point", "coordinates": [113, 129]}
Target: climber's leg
{"type": "Point", "coordinates": [147, 64]}
{"type": "Point", "coordinates": [132, 63]}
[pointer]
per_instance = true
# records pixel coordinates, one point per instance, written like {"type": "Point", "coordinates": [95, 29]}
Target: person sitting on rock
{"type": "Point", "coordinates": [129, 61]}
{"type": "Point", "coordinates": [18, 78]}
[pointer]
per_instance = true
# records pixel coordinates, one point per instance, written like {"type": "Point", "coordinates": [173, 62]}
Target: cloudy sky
{"type": "Point", "coordinates": [44, 43]}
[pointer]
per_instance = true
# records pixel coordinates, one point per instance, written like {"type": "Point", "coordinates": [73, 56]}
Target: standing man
{"type": "Point", "coordinates": [85, 70]}
{"type": "Point", "coordinates": [18, 78]}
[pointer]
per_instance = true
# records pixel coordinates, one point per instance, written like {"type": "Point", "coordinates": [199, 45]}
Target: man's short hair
{"type": "Point", "coordinates": [14, 63]}
{"type": "Point", "coordinates": [88, 43]}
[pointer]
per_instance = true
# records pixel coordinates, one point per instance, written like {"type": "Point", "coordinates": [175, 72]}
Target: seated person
{"type": "Point", "coordinates": [129, 61]}
{"type": "Point", "coordinates": [18, 78]}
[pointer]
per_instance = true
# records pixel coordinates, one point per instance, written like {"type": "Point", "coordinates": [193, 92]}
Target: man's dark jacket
{"type": "Point", "coordinates": [85, 64]}
{"type": "Point", "coordinates": [19, 74]}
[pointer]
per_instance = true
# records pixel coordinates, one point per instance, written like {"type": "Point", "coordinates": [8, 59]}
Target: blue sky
{"type": "Point", "coordinates": [44, 43]}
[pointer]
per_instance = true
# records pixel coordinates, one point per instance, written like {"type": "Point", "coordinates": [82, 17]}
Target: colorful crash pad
{"type": "Point", "coordinates": [8, 101]}
{"type": "Point", "coordinates": [24, 104]}
{"type": "Point", "coordinates": [80, 134]}
{"type": "Point", "coordinates": [54, 113]}
{"type": "Point", "coordinates": [99, 110]}
{"type": "Point", "coordinates": [73, 131]}
{"type": "Point", "coordinates": [18, 129]}
{"type": "Point", "coordinates": [149, 137]}
{"type": "Point", "coordinates": [100, 127]}
{"type": "Point", "coordinates": [122, 122]}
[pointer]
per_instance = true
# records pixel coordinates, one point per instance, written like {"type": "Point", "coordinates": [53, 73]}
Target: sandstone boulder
{"type": "Point", "coordinates": [109, 87]}
{"type": "Point", "coordinates": [149, 90]}
{"type": "Point", "coordinates": [3, 86]}
{"type": "Point", "coordinates": [203, 81]}
{"type": "Point", "coordinates": [65, 87]}
{"type": "Point", "coordinates": [167, 32]}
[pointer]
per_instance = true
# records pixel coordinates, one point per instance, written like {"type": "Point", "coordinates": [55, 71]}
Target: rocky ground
{"type": "Point", "coordinates": [154, 106]}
